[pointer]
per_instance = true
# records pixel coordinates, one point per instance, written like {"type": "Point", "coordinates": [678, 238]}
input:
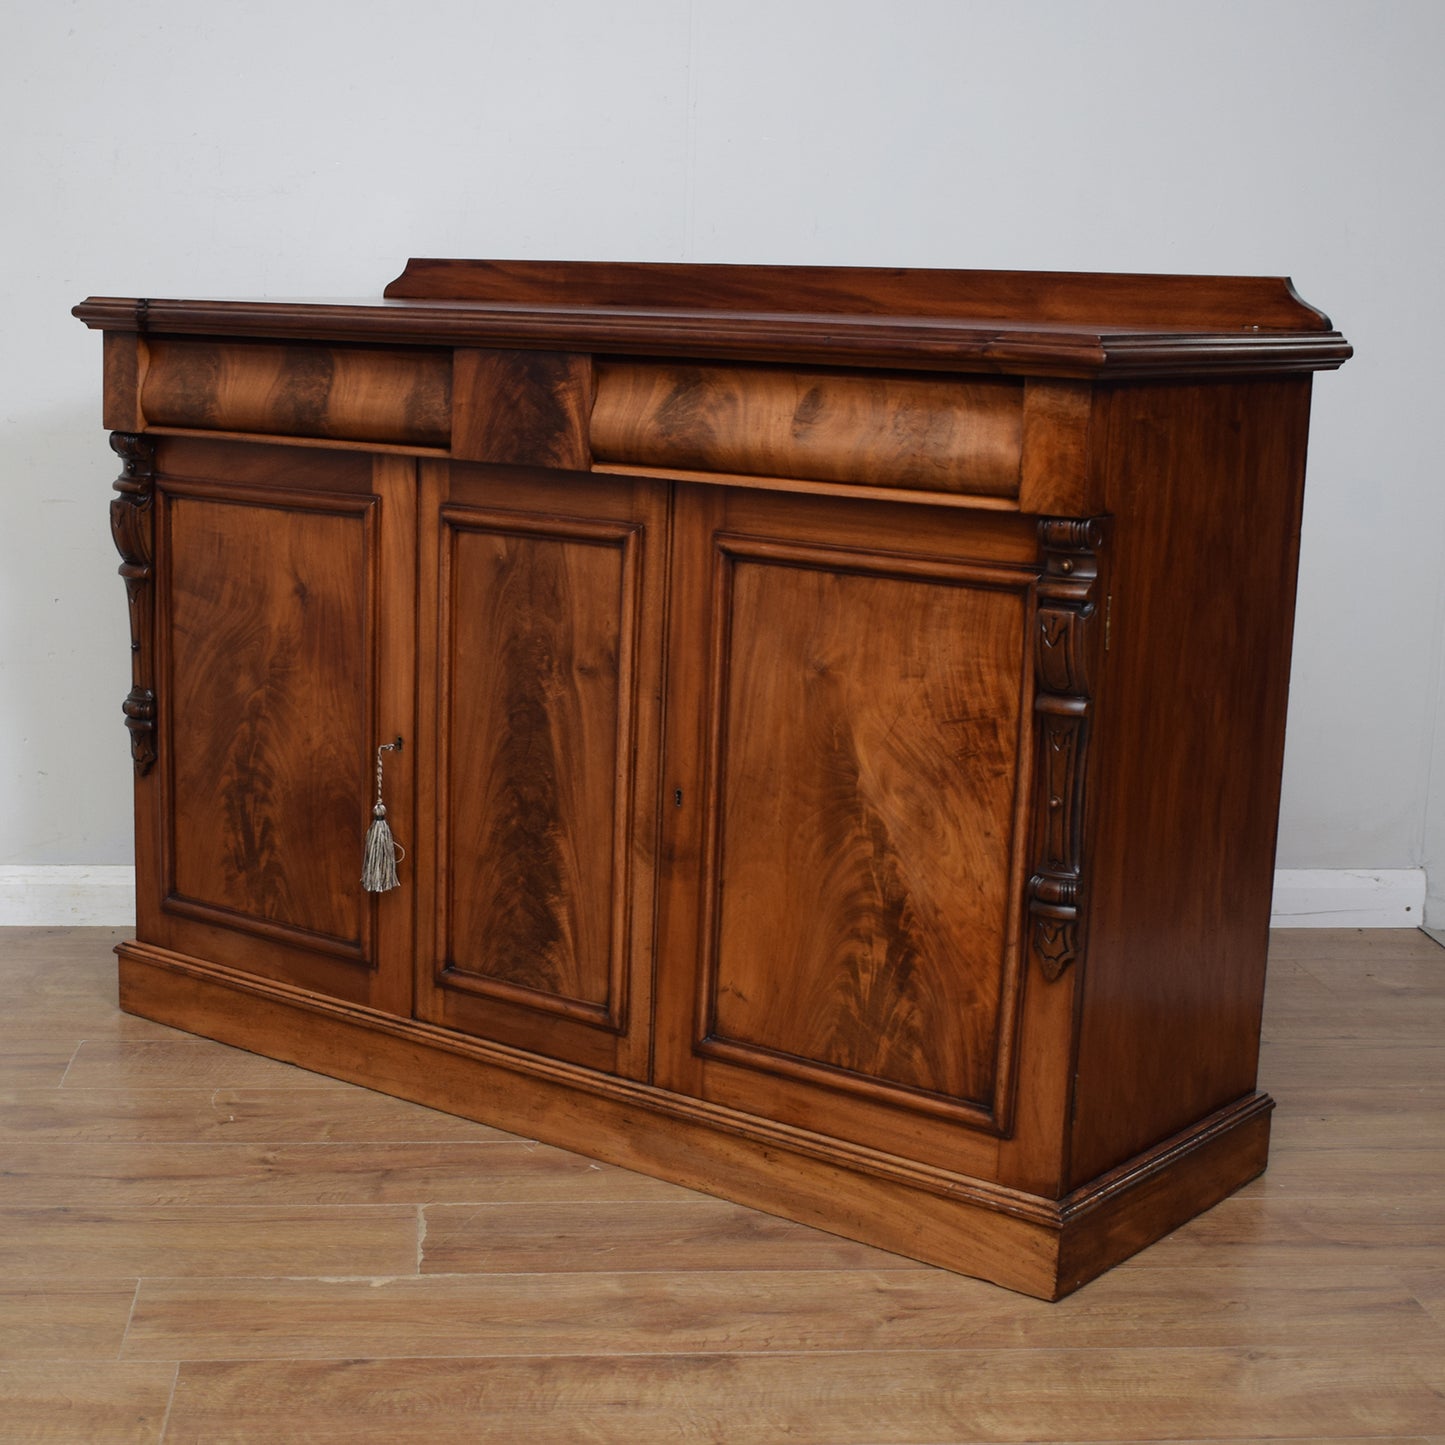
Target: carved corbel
{"type": "Point", "coordinates": [1063, 642]}
{"type": "Point", "coordinates": [132, 524]}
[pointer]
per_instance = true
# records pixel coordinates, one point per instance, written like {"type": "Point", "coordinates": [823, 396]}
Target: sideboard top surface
{"type": "Point", "coordinates": [1011, 322]}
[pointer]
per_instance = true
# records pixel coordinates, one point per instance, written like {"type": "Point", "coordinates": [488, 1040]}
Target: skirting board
{"type": "Point", "coordinates": [39, 897]}
{"type": "Point", "coordinates": [61, 896]}
{"type": "Point", "coordinates": [1348, 898]}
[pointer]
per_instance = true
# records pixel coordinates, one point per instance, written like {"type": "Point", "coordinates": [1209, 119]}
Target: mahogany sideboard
{"type": "Point", "coordinates": [840, 718]}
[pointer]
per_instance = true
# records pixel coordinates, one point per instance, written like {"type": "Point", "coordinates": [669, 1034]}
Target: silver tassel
{"type": "Point", "coordinates": [378, 868]}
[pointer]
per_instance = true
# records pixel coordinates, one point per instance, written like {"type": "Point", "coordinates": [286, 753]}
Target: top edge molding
{"type": "Point", "coordinates": [1064, 324]}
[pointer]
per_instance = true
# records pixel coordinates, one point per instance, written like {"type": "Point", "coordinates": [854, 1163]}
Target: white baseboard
{"type": "Point", "coordinates": [1303, 897]}
{"type": "Point", "coordinates": [1348, 898]}
{"type": "Point", "coordinates": [41, 897]}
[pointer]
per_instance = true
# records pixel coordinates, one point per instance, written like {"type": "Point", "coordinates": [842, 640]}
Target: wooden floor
{"type": "Point", "coordinates": [200, 1245]}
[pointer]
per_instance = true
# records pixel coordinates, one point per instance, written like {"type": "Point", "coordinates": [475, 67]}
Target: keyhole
{"type": "Point", "coordinates": [677, 797]}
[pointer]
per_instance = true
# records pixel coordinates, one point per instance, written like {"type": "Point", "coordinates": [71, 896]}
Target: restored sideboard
{"type": "Point", "coordinates": [838, 718]}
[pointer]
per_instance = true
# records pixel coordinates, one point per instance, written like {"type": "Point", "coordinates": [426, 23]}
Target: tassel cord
{"type": "Point", "coordinates": [381, 852]}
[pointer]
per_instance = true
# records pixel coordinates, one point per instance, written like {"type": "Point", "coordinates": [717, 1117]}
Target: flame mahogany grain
{"type": "Point", "coordinates": [915, 432]}
{"type": "Point", "coordinates": [310, 391]}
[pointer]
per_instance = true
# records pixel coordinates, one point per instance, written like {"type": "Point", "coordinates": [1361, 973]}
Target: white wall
{"type": "Point", "coordinates": [171, 148]}
{"type": "Point", "coordinates": [1434, 850]}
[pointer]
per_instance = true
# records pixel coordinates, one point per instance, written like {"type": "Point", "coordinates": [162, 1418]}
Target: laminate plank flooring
{"type": "Point", "coordinates": [76, 1317]}
{"type": "Point", "coordinates": [263, 1241]}
{"type": "Point", "coordinates": [85, 1402]}
{"type": "Point", "coordinates": [191, 1115]}
{"type": "Point", "coordinates": [702, 1234]}
{"type": "Point", "coordinates": [200, 1245]}
{"type": "Point", "coordinates": [747, 1311]}
{"type": "Point", "coordinates": [832, 1399]}
{"type": "Point", "coordinates": [96, 1174]}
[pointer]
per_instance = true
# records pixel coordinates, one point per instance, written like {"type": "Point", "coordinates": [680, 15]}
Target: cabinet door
{"type": "Point", "coordinates": [284, 650]}
{"type": "Point", "coordinates": [540, 695]}
{"type": "Point", "coordinates": [848, 769]}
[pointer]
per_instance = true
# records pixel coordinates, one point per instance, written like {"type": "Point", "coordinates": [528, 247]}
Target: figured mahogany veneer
{"type": "Point", "coordinates": [843, 714]}
{"type": "Point", "coordinates": [318, 391]}
{"type": "Point", "coordinates": [928, 434]}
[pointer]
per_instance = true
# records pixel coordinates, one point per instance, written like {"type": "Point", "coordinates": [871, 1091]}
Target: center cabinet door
{"type": "Point", "coordinates": [539, 710]}
{"type": "Point", "coordinates": [847, 783]}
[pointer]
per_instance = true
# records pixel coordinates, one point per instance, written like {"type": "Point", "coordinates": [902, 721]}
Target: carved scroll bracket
{"type": "Point", "coordinates": [132, 524]}
{"type": "Point", "coordinates": [1063, 643]}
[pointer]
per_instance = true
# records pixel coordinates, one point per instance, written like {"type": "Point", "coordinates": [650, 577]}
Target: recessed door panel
{"type": "Point", "coordinates": [537, 619]}
{"type": "Point", "coordinates": [868, 738]}
{"type": "Point", "coordinates": [268, 691]}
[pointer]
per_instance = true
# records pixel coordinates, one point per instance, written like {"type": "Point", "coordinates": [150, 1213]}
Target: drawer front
{"type": "Point", "coordinates": [943, 434]}
{"type": "Point", "coordinates": [335, 393]}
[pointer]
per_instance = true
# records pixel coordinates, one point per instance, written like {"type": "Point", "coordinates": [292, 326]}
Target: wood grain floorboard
{"type": "Point", "coordinates": [71, 1318]}
{"type": "Point", "coordinates": [1414, 1173]}
{"type": "Point", "coordinates": [1344, 1116]}
{"type": "Point", "coordinates": [66, 1022]}
{"type": "Point", "coordinates": [1234, 1254]}
{"type": "Point", "coordinates": [829, 1399]}
{"type": "Point", "coordinates": [1300, 1063]}
{"type": "Point", "coordinates": [1358, 952]}
{"type": "Point", "coordinates": [697, 1234]}
{"type": "Point", "coordinates": [95, 1175]}
{"type": "Point", "coordinates": [94, 1402]}
{"type": "Point", "coordinates": [26, 1064]}
{"type": "Point", "coordinates": [76, 1242]}
{"type": "Point", "coordinates": [307, 1261]}
{"type": "Point", "coordinates": [1322, 1020]}
{"type": "Point", "coordinates": [734, 1311]}
{"type": "Point", "coordinates": [343, 1114]}
{"type": "Point", "coordinates": [179, 1061]}
{"type": "Point", "coordinates": [69, 971]}
{"type": "Point", "coordinates": [1428, 1286]}
{"type": "Point", "coordinates": [1368, 1202]}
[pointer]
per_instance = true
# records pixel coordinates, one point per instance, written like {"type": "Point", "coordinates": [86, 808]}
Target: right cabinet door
{"type": "Point", "coordinates": [848, 771]}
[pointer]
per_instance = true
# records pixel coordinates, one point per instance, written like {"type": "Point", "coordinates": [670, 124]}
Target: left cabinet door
{"type": "Point", "coordinates": [284, 595]}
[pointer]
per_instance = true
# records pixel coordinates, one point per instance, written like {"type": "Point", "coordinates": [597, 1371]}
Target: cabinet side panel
{"type": "Point", "coordinates": [1206, 483]}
